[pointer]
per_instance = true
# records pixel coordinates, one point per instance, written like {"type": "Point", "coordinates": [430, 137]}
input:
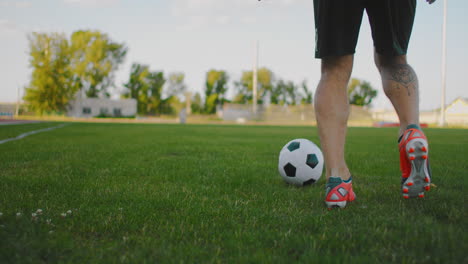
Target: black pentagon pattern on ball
{"type": "Point", "coordinates": [290, 170]}
{"type": "Point", "coordinates": [309, 182]}
{"type": "Point", "coordinates": [312, 160]}
{"type": "Point", "coordinates": [294, 145]}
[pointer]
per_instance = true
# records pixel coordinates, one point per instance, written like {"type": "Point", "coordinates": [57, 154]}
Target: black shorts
{"type": "Point", "coordinates": [337, 24]}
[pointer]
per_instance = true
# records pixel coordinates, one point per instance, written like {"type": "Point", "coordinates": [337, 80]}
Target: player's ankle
{"type": "Point", "coordinates": [344, 174]}
{"type": "Point", "coordinates": [406, 126]}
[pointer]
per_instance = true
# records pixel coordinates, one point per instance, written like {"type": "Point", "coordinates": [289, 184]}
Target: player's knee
{"type": "Point", "coordinates": [385, 62]}
{"type": "Point", "coordinates": [337, 67]}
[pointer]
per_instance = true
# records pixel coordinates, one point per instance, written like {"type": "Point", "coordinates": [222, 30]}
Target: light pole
{"type": "Point", "coordinates": [17, 100]}
{"type": "Point", "coordinates": [444, 66]}
{"type": "Point", "coordinates": [254, 79]}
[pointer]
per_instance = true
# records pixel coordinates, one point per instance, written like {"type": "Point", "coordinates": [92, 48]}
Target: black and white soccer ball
{"type": "Point", "coordinates": [300, 162]}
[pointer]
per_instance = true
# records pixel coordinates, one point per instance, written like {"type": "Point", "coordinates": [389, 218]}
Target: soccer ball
{"type": "Point", "coordinates": [300, 162]}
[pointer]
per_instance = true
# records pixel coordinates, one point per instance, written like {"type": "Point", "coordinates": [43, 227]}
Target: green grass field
{"type": "Point", "coordinates": [212, 194]}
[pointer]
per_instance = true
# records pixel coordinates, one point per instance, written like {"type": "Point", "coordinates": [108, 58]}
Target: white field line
{"type": "Point", "coordinates": [31, 133]}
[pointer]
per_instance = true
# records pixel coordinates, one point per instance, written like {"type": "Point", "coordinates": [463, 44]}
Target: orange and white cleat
{"type": "Point", "coordinates": [414, 163]}
{"type": "Point", "coordinates": [339, 192]}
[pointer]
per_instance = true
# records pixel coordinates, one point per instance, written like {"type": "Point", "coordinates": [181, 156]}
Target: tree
{"type": "Point", "coordinates": [146, 87]}
{"type": "Point", "coordinates": [215, 89]}
{"type": "Point", "coordinates": [156, 104]}
{"type": "Point", "coordinates": [175, 85]}
{"type": "Point", "coordinates": [308, 96]}
{"type": "Point", "coordinates": [137, 86]}
{"type": "Point", "coordinates": [51, 86]}
{"type": "Point", "coordinates": [285, 92]}
{"type": "Point", "coordinates": [94, 60]}
{"type": "Point", "coordinates": [360, 92]}
{"type": "Point", "coordinates": [244, 87]}
{"type": "Point", "coordinates": [197, 104]}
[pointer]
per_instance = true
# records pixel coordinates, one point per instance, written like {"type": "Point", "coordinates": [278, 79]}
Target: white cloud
{"type": "Point", "coordinates": [23, 4]}
{"type": "Point", "coordinates": [287, 2]}
{"type": "Point", "coordinates": [92, 3]}
{"type": "Point", "coordinates": [17, 4]}
{"type": "Point", "coordinates": [193, 22]}
{"type": "Point", "coordinates": [7, 26]}
{"type": "Point", "coordinates": [223, 19]}
{"type": "Point", "coordinates": [249, 19]}
{"type": "Point", "coordinates": [190, 12]}
{"type": "Point", "coordinates": [195, 14]}
{"type": "Point", "coordinates": [211, 7]}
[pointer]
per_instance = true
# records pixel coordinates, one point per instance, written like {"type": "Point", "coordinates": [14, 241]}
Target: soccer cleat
{"type": "Point", "coordinates": [414, 163]}
{"type": "Point", "coordinates": [339, 192]}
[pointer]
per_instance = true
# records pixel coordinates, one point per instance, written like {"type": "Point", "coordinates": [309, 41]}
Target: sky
{"type": "Point", "coordinates": [195, 36]}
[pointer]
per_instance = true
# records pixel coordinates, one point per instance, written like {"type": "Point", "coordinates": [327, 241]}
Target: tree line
{"type": "Point", "coordinates": [84, 65]}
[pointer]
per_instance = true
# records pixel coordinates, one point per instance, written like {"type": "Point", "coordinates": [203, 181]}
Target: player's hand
{"type": "Point", "coordinates": [430, 1]}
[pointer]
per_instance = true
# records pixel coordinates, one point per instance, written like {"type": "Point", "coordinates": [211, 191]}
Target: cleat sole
{"type": "Point", "coordinates": [419, 178]}
{"type": "Point", "coordinates": [331, 205]}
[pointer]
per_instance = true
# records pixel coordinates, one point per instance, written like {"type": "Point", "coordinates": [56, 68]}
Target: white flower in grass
{"type": "Point", "coordinates": [33, 215]}
{"type": "Point", "coordinates": [69, 212]}
{"type": "Point", "coordinates": [63, 215]}
{"type": "Point", "coordinates": [48, 221]}
{"type": "Point", "coordinates": [18, 214]}
{"type": "Point", "coordinates": [39, 211]}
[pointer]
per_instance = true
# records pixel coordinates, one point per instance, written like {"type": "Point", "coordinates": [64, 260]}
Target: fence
{"type": "Point", "coordinates": [284, 114]}
{"type": "Point", "coordinates": [305, 114]}
{"type": "Point", "coordinates": [7, 111]}
{"type": "Point", "coordinates": [428, 117]}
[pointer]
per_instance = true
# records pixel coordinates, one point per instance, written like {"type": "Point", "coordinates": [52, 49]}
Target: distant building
{"type": "Point", "coordinates": [7, 110]}
{"type": "Point", "coordinates": [91, 107]}
{"type": "Point", "coordinates": [458, 106]}
{"type": "Point", "coordinates": [456, 114]}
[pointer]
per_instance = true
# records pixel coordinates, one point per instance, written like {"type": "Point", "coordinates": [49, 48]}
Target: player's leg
{"type": "Point", "coordinates": [337, 26]}
{"type": "Point", "coordinates": [332, 111]}
{"type": "Point", "coordinates": [400, 85]}
{"type": "Point", "coordinates": [391, 24]}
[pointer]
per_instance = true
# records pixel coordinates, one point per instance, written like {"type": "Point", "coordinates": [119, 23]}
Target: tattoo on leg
{"type": "Point", "coordinates": [404, 75]}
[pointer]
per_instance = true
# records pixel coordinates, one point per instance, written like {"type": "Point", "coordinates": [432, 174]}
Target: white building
{"type": "Point", "coordinates": [458, 106]}
{"type": "Point", "coordinates": [457, 111]}
{"type": "Point", "coordinates": [91, 107]}
{"type": "Point", "coordinates": [7, 110]}
{"type": "Point", "coordinates": [456, 114]}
